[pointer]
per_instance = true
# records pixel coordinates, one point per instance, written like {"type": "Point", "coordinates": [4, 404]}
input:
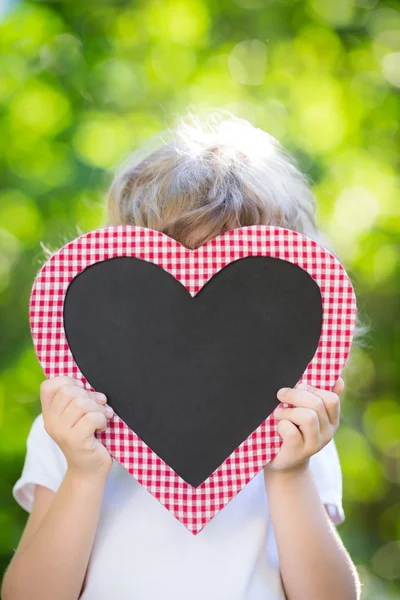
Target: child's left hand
{"type": "Point", "coordinates": [316, 414]}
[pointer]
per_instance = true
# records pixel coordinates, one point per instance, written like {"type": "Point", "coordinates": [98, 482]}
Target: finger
{"type": "Point", "coordinates": [331, 401]}
{"type": "Point", "coordinates": [67, 394]}
{"type": "Point", "coordinates": [308, 422]}
{"type": "Point", "coordinates": [63, 397]}
{"type": "Point", "coordinates": [99, 397]}
{"type": "Point", "coordinates": [291, 435]}
{"type": "Point", "coordinates": [338, 387]}
{"type": "Point", "coordinates": [81, 406]}
{"type": "Point", "coordinates": [309, 399]}
{"type": "Point", "coordinates": [50, 387]}
{"type": "Point", "coordinates": [88, 424]}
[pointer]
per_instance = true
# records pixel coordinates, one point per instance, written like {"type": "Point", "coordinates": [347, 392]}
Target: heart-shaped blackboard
{"type": "Point", "coordinates": [191, 346]}
{"type": "Point", "coordinates": [193, 377]}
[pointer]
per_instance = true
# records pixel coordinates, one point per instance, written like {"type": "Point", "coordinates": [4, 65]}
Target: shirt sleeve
{"type": "Point", "coordinates": [45, 464]}
{"type": "Point", "coordinates": [327, 474]}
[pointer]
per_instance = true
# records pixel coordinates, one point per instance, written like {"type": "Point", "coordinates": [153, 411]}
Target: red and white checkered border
{"type": "Point", "coordinates": [194, 507]}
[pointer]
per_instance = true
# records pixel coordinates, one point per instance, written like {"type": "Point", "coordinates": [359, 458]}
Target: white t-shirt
{"type": "Point", "coordinates": [141, 552]}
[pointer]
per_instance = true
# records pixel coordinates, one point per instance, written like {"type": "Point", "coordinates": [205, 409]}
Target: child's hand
{"type": "Point", "coordinates": [71, 415]}
{"type": "Point", "coordinates": [316, 413]}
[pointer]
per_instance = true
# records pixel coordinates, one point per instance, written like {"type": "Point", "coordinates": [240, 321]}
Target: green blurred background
{"type": "Point", "coordinates": [84, 83]}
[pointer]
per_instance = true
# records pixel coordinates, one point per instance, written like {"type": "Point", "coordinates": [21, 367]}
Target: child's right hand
{"type": "Point", "coordinates": [71, 415]}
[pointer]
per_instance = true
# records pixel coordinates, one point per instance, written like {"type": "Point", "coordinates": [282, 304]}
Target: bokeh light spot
{"type": "Point", "coordinates": [28, 27]}
{"type": "Point", "coordinates": [13, 71]}
{"type": "Point", "coordinates": [247, 62]}
{"type": "Point", "coordinates": [318, 118]}
{"type": "Point", "coordinates": [172, 62]}
{"type": "Point", "coordinates": [381, 420]}
{"type": "Point", "coordinates": [338, 13]}
{"type": "Point", "coordinates": [181, 21]}
{"type": "Point", "coordinates": [41, 108]}
{"type": "Point", "coordinates": [120, 82]}
{"type": "Point", "coordinates": [101, 139]}
{"type": "Point", "coordinates": [19, 216]}
{"type": "Point", "coordinates": [127, 29]}
{"type": "Point", "coordinates": [386, 560]}
{"type": "Point", "coordinates": [356, 209]}
{"type": "Point", "coordinates": [391, 67]}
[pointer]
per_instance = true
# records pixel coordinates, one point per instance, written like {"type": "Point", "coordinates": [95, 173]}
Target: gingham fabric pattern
{"type": "Point", "coordinates": [194, 507]}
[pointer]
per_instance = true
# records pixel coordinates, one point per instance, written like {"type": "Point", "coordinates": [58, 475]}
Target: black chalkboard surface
{"type": "Point", "coordinates": [193, 377]}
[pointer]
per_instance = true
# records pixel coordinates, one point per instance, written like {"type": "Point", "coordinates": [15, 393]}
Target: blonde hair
{"type": "Point", "coordinates": [204, 177]}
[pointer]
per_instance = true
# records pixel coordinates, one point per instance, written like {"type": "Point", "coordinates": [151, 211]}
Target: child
{"type": "Point", "coordinates": [93, 532]}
